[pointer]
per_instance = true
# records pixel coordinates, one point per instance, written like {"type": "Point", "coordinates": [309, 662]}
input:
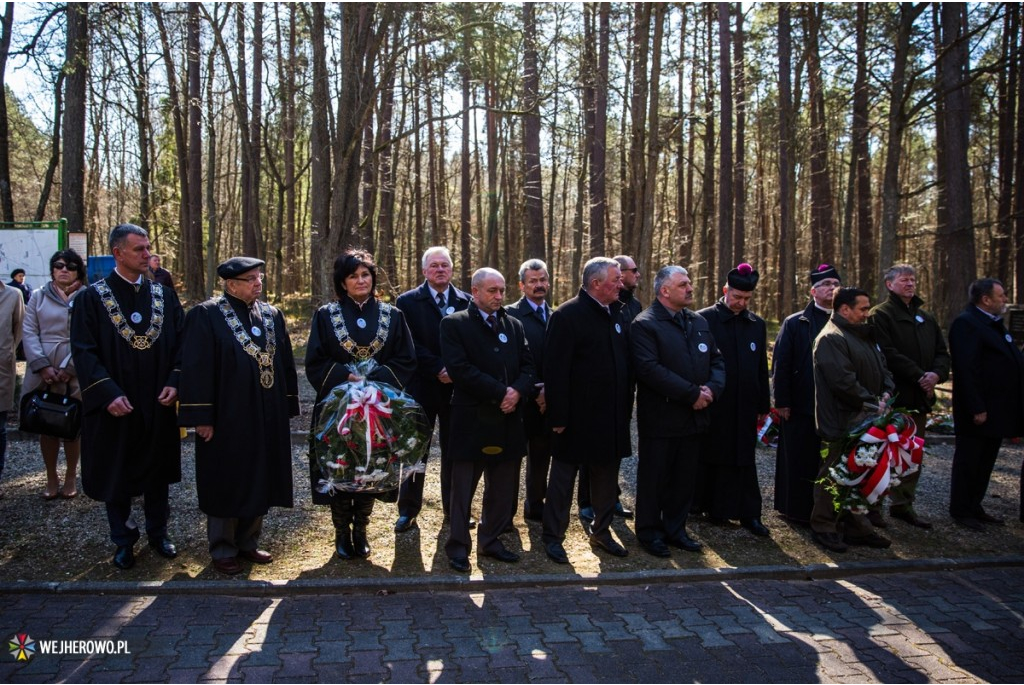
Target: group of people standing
{"type": "Point", "coordinates": [554, 385]}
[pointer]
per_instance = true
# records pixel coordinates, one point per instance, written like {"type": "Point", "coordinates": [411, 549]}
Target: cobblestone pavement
{"type": "Point", "coordinates": [946, 626]}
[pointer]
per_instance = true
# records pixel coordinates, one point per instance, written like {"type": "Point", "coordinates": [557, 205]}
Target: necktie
{"type": "Point", "coordinates": [440, 301]}
{"type": "Point", "coordinates": [492, 321]}
{"type": "Point", "coordinates": [543, 313]}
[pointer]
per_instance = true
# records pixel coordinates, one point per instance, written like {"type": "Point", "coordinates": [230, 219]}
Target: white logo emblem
{"type": "Point", "coordinates": [618, 328]}
{"type": "Point", "coordinates": [753, 347]}
{"type": "Point", "coordinates": [256, 331]}
{"type": "Point", "coordinates": [1009, 338]}
{"type": "Point", "coordinates": [361, 322]}
{"type": "Point", "coordinates": [449, 310]}
{"type": "Point", "coordinates": [702, 347]}
{"type": "Point", "coordinates": [502, 337]}
{"type": "Point", "coordinates": [136, 317]}
{"type": "Point", "coordinates": [920, 319]}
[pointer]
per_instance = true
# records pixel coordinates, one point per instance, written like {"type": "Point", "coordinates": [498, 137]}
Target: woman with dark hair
{"type": "Point", "coordinates": [47, 340]}
{"type": "Point", "coordinates": [356, 327]}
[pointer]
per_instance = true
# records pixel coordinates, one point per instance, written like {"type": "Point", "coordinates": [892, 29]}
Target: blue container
{"type": "Point", "coordinates": [98, 267]}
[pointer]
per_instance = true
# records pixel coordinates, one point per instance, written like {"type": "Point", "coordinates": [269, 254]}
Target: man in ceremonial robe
{"type": "Point", "coordinates": [125, 340]}
{"type": "Point", "coordinates": [799, 454]}
{"type": "Point", "coordinates": [489, 360]}
{"type": "Point", "coordinates": [431, 386]}
{"type": "Point", "coordinates": [239, 388]}
{"type": "Point", "coordinates": [534, 311]}
{"type": "Point", "coordinates": [727, 474]}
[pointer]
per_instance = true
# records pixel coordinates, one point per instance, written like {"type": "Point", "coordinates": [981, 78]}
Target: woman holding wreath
{"type": "Point", "coordinates": [355, 328]}
{"type": "Point", "coordinates": [47, 341]}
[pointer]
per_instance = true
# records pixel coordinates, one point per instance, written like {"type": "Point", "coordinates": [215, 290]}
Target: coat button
{"type": "Point", "coordinates": [495, 349]}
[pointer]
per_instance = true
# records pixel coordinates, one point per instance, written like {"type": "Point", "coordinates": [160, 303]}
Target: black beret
{"type": "Point", "coordinates": [743, 277]}
{"type": "Point", "coordinates": [16, 272]}
{"type": "Point", "coordinates": [237, 265]}
{"type": "Point", "coordinates": [824, 271]}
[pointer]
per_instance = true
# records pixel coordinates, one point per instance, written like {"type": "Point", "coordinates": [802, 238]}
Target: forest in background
{"type": "Point", "coordinates": [699, 134]}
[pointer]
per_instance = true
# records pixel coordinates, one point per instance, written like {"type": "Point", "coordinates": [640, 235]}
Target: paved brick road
{"type": "Point", "coordinates": [946, 626]}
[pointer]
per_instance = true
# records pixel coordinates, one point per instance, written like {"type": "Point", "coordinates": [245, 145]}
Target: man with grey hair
{"type": "Point", "coordinates": [916, 355]}
{"type": "Point", "coordinates": [589, 393]}
{"type": "Point", "coordinates": [424, 307]}
{"type": "Point", "coordinates": [679, 373]}
{"type": "Point", "coordinates": [489, 360]}
{"type": "Point", "coordinates": [125, 340]}
{"type": "Point", "coordinates": [533, 312]}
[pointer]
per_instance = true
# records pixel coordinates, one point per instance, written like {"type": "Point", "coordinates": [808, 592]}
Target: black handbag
{"type": "Point", "coordinates": [51, 413]}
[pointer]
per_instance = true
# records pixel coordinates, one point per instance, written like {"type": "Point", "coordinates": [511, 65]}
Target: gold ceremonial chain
{"type": "Point", "coordinates": [264, 358]}
{"type": "Point", "coordinates": [156, 319]}
{"type": "Point", "coordinates": [361, 352]}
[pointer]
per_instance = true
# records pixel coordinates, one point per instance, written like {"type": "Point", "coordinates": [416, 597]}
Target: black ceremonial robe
{"type": "Point", "coordinates": [326, 359]}
{"type": "Point", "coordinates": [122, 455]}
{"type": "Point", "coordinates": [247, 467]}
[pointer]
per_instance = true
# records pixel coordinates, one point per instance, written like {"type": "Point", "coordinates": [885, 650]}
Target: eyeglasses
{"type": "Point", "coordinates": [251, 279]}
{"type": "Point", "coordinates": [634, 270]}
{"type": "Point", "coordinates": [60, 266]}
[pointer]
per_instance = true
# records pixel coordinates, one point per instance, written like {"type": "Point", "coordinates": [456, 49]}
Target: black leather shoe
{"type": "Point", "coordinates": [656, 548]}
{"type": "Point", "coordinates": [987, 518]}
{"type": "Point", "coordinates": [256, 556]}
{"type": "Point", "coordinates": [609, 545]}
{"type": "Point", "coordinates": [164, 547]}
{"type": "Point", "coordinates": [405, 523]}
{"type": "Point", "coordinates": [501, 554]}
{"type": "Point", "coordinates": [833, 542]}
{"type": "Point", "coordinates": [969, 522]}
{"type": "Point", "coordinates": [623, 512]}
{"type": "Point", "coordinates": [587, 515]}
{"type": "Point", "coordinates": [124, 557]}
{"type": "Point", "coordinates": [908, 515]}
{"type": "Point", "coordinates": [873, 540]}
{"type": "Point", "coordinates": [556, 553]}
{"type": "Point", "coordinates": [686, 543]}
{"type": "Point", "coordinates": [756, 527]}
{"type": "Point", "coordinates": [460, 564]}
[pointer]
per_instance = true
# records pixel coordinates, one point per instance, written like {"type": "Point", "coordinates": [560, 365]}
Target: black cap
{"type": "Point", "coordinates": [743, 277]}
{"type": "Point", "coordinates": [16, 272]}
{"type": "Point", "coordinates": [237, 265]}
{"type": "Point", "coordinates": [824, 271]}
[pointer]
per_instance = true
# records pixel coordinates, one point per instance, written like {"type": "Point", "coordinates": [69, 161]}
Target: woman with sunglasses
{"type": "Point", "coordinates": [47, 342]}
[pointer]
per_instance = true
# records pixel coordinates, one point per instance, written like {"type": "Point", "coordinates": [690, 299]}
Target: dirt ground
{"type": "Point", "coordinates": [63, 540]}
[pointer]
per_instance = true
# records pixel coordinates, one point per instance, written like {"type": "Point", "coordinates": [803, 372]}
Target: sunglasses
{"type": "Point", "coordinates": [60, 266]}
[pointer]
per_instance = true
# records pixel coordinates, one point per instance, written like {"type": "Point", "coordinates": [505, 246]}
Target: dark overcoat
{"type": "Point", "coordinates": [988, 376]}
{"type": "Point", "coordinates": [912, 343]}
{"type": "Point", "coordinates": [122, 456]}
{"type": "Point", "coordinates": [246, 467]}
{"type": "Point", "coordinates": [423, 317]}
{"type": "Point", "coordinates": [792, 361]}
{"type": "Point", "coordinates": [588, 383]}
{"type": "Point", "coordinates": [742, 340]}
{"type": "Point", "coordinates": [326, 359]}
{"type": "Point", "coordinates": [536, 330]}
{"type": "Point", "coordinates": [482, 366]}
{"type": "Point", "coordinates": [631, 306]}
{"type": "Point", "coordinates": [672, 357]}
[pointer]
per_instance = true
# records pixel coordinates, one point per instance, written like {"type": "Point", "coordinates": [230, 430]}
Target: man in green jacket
{"type": "Point", "coordinates": [916, 354]}
{"type": "Point", "coordinates": [851, 382]}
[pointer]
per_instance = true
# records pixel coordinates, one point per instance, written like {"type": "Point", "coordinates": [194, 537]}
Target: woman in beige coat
{"type": "Point", "coordinates": [47, 345]}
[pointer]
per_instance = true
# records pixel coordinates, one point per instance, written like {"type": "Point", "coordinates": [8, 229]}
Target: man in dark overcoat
{"type": "Point", "coordinates": [679, 374]}
{"type": "Point", "coordinates": [727, 473]}
{"type": "Point", "coordinates": [488, 358]}
{"type": "Point", "coordinates": [125, 342]}
{"type": "Point", "coordinates": [589, 392]}
{"type": "Point", "coordinates": [798, 458]}
{"type": "Point", "coordinates": [239, 388]}
{"type": "Point", "coordinates": [533, 312]}
{"type": "Point", "coordinates": [915, 352]}
{"type": "Point", "coordinates": [988, 399]}
{"type": "Point", "coordinates": [431, 386]}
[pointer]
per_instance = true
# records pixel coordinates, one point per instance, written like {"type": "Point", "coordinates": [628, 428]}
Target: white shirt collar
{"type": "Point", "coordinates": [137, 281]}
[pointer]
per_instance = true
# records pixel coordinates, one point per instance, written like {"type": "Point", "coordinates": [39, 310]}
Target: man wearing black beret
{"type": "Point", "coordinates": [727, 483]}
{"type": "Point", "coordinates": [239, 388]}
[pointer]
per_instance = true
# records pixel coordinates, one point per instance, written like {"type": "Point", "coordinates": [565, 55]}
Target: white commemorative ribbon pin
{"type": "Point", "coordinates": [256, 331]}
{"type": "Point", "coordinates": [136, 317]}
{"type": "Point", "coordinates": [449, 310]}
{"type": "Point", "coordinates": [618, 328]}
{"type": "Point", "coordinates": [361, 322]}
{"type": "Point", "coordinates": [702, 347]}
{"type": "Point", "coordinates": [502, 337]}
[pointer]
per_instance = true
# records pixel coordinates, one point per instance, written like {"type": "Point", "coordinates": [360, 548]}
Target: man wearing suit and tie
{"type": "Point", "coordinates": [533, 312]}
{"type": "Point", "coordinates": [424, 307]}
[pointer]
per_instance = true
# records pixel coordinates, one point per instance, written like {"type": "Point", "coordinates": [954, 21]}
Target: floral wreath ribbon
{"type": "Point", "coordinates": [374, 406]}
{"type": "Point", "coordinates": [898, 452]}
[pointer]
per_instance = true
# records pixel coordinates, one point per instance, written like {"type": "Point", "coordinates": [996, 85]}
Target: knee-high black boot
{"type": "Point", "coordinates": [342, 512]}
{"type": "Point", "coordinates": [363, 505]}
